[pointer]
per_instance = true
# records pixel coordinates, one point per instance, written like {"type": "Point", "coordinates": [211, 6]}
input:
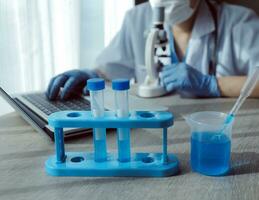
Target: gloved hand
{"type": "Point", "coordinates": [73, 83]}
{"type": "Point", "coordinates": [181, 77]}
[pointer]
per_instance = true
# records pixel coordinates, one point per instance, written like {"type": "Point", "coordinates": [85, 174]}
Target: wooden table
{"type": "Point", "coordinates": [24, 151]}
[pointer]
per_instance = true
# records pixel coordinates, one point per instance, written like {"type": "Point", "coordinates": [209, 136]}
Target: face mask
{"type": "Point", "coordinates": [176, 11]}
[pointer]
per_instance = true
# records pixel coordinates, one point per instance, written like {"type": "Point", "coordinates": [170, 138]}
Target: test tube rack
{"type": "Point", "coordinates": [83, 163]}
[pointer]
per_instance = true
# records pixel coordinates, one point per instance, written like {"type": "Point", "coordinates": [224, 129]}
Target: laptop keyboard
{"type": "Point", "coordinates": [41, 102]}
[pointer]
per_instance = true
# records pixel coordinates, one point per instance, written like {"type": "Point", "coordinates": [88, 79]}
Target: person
{"type": "Point", "coordinates": [213, 49]}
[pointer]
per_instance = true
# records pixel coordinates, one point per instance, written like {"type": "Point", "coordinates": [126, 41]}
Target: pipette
{"type": "Point", "coordinates": [245, 92]}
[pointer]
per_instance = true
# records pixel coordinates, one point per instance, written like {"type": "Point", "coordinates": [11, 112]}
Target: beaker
{"type": "Point", "coordinates": [210, 142]}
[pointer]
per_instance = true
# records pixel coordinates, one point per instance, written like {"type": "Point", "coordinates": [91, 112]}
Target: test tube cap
{"type": "Point", "coordinates": [95, 84]}
{"type": "Point", "coordinates": [120, 84]}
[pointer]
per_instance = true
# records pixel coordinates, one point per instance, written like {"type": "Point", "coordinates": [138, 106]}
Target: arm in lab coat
{"type": "Point", "coordinates": [117, 60]}
{"type": "Point", "coordinates": [231, 86]}
{"type": "Point", "coordinates": [246, 46]}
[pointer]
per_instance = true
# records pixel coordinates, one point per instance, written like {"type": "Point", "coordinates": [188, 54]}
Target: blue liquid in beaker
{"type": "Point", "coordinates": [210, 153]}
{"type": "Point", "coordinates": [229, 119]}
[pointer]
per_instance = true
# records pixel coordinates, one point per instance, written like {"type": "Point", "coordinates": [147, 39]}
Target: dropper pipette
{"type": "Point", "coordinates": [244, 94]}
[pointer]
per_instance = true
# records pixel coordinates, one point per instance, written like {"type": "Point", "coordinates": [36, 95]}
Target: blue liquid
{"type": "Point", "coordinates": [100, 149]}
{"type": "Point", "coordinates": [124, 150]}
{"type": "Point", "coordinates": [210, 153]}
{"type": "Point", "coordinates": [229, 119]}
{"type": "Point", "coordinates": [123, 144]}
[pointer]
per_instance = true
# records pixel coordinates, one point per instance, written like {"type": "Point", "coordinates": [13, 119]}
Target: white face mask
{"type": "Point", "coordinates": [176, 11]}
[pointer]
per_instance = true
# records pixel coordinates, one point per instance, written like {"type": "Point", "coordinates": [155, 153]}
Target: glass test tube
{"type": "Point", "coordinates": [120, 87]}
{"type": "Point", "coordinates": [96, 87]}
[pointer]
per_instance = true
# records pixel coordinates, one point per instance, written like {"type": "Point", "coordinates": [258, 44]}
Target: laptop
{"type": "Point", "coordinates": [35, 109]}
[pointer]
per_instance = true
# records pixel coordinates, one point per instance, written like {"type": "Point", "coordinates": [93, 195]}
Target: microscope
{"type": "Point", "coordinates": [157, 54]}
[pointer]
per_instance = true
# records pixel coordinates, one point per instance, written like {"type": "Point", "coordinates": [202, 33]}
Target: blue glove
{"type": "Point", "coordinates": [181, 77]}
{"type": "Point", "coordinates": [73, 83]}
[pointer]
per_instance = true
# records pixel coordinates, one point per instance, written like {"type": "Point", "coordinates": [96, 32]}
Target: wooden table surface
{"type": "Point", "coordinates": [24, 151]}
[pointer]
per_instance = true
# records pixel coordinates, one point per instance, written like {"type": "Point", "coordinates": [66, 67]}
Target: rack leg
{"type": "Point", "coordinates": [59, 143]}
{"type": "Point", "coordinates": [165, 146]}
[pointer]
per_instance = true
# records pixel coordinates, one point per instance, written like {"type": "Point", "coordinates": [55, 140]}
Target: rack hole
{"type": "Point", "coordinates": [73, 114]}
{"type": "Point", "coordinates": [146, 115]}
{"type": "Point", "coordinates": [147, 160]}
{"type": "Point", "coordinates": [77, 159]}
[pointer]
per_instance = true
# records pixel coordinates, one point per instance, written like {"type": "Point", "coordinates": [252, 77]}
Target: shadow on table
{"type": "Point", "coordinates": [235, 136]}
{"type": "Point", "coordinates": [241, 163]}
{"type": "Point", "coordinates": [244, 163]}
{"type": "Point", "coordinates": [185, 165]}
{"type": "Point", "coordinates": [179, 110]}
{"type": "Point", "coordinates": [66, 183]}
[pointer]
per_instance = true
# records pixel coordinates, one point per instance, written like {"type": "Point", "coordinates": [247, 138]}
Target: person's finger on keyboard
{"type": "Point", "coordinates": [73, 83]}
{"type": "Point", "coordinates": [55, 84]}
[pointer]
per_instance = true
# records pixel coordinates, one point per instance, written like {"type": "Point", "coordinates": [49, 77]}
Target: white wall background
{"type": "Point", "coordinates": [114, 11]}
{"type": "Point", "coordinates": [91, 31]}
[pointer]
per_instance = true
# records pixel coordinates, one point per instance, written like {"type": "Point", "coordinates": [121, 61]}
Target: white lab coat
{"type": "Point", "coordinates": [238, 43]}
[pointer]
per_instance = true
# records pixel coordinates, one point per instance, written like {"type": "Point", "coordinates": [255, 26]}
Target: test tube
{"type": "Point", "coordinates": [96, 87]}
{"type": "Point", "coordinates": [120, 87]}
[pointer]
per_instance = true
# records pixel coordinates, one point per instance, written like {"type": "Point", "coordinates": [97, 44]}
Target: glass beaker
{"type": "Point", "coordinates": [210, 142]}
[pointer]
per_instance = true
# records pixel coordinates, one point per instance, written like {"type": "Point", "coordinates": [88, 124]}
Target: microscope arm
{"type": "Point", "coordinates": [150, 56]}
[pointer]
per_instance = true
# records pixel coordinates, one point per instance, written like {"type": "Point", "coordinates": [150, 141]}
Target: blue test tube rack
{"type": "Point", "coordinates": [84, 164]}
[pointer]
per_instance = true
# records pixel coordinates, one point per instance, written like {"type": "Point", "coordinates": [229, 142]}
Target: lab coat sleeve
{"type": "Point", "coordinates": [246, 42]}
{"type": "Point", "coordinates": [117, 60]}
